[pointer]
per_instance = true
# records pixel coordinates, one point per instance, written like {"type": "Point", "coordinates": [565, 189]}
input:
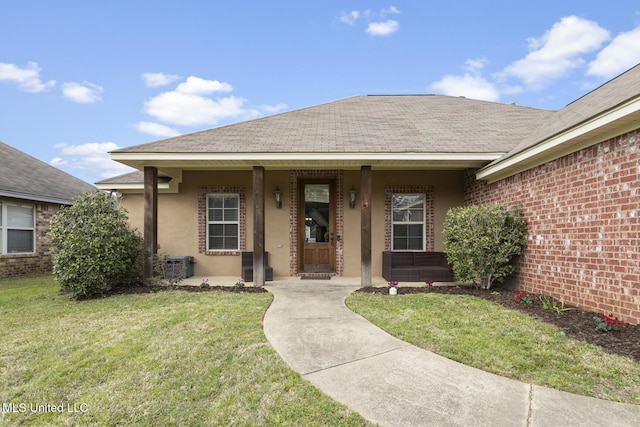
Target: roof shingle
{"type": "Point", "coordinates": [369, 124]}
{"type": "Point", "coordinates": [25, 177]}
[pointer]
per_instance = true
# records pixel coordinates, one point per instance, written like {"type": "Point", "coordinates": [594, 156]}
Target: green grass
{"type": "Point", "coordinates": [487, 336]}
{"type": "Point", "coordinates": [169, 358]}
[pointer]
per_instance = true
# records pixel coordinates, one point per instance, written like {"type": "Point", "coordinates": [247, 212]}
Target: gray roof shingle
{"type": "Point", "coordinates": [369, 124]}
{"type": "Point", "coordinates": [25, 177]}
{"type": "Point", "coordinates": [602, 99]}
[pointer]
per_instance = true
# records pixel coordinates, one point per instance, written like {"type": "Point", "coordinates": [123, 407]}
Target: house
{"type": "Point", "coordinates": [31, 192]}
{"type": "Point", "coordinates": [325, 190]}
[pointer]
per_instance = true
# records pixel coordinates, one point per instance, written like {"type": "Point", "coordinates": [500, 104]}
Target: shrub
{"type": "Point", "coordinates": [93, 249]}
{"type": "Point", "coordinates": [481, 241]}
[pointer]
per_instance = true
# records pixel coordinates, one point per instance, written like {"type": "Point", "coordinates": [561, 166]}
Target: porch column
{"type": "Point", "coordinates": [365, 237]}
{"type": "Point", "coordinates": [150, 220]}
{"type": "Point", "coordinates": [258, 226]}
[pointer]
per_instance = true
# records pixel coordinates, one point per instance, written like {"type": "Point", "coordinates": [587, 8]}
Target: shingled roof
{"type": "Point", "coordinates": [376, 124]}
{"type": "Point", "coordinates": [607, 111]}
{"type": "Point", "coordinates": [25, 177]}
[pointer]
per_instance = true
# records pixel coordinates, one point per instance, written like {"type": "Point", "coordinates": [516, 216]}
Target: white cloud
{"type": "Point", "coordinates": [272, 109]}
{"type": "Point", "coordinates": [85, 149]}
{"type": "Point", "coordinates": [469, 86]}
{"type": "Point", "coordinates": [475, 65]}
{"type": "Point", "coordinates": [82, 93]}
{"type": "Point", "coordinates": [558, 51]}
{"type": "Point", "coordinates": [375, 26]}
{"type": "Point", "coordinates": [189, 105]}
{"type": "Point", "coordinates": [383, 28]}
{"type": "Point", "coordinates": [192, 110]}
{"type": "Point", "coordinates": [621, 54]}
{"type": "Point", "coordinates": [159, 79]}
{"type": "Point", "coordinates": [350, 17]}
{"type": "Point", "coordinates": [198, 86]}
{"type": "Point", "coordinates": [156, 129]}
{"type": "Point", "coordinates": [391, 10]}
{"type": "Point", "coordinates": [90, 160]}
{"type": "Point", "coordinates": [28, 78]}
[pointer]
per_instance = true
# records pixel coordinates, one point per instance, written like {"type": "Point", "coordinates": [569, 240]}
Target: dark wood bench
{"type": "Point", "coordinates": [416, 267]}
{"type": "Point", "coordinates": [247, 267]}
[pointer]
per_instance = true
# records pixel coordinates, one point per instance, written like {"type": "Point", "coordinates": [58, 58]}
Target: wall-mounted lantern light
{"type": "Point", "coordinates": [278, 195]}
{"type": "Point", "coordinates": [352, 197]}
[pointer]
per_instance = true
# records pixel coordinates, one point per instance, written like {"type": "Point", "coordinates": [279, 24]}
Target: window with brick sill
{"type": "Point", "coordinates": [17, 229]}
{"type": "Point", "coordinates": [408, 222]}
{"type": "Point", "coordinates": [409, 216]}
{"type": "Point", "coordinates": [221, 220]}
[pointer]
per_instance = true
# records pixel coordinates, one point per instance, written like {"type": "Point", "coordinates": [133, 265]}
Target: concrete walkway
{"type": "Point", "coordinates": [394, 383]}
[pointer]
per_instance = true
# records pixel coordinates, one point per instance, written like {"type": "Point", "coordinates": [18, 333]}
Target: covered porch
{"type": "Point", "coordinates": [282, 227]}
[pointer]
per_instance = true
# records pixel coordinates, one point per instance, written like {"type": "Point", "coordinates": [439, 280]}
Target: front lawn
{"type": "Point", "coordinates": [168, 358]}
{"type": "Point", "coordinates": [485, 335]}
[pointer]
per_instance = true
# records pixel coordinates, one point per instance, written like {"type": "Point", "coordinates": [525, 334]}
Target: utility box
{"type": "Point", "coordinates": [178, 267]}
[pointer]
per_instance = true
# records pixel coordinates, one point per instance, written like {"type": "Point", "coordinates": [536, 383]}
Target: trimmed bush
{"type": "Point", "coordinates": [481, 241]}
{"type": "Point", "coordinates": [93, 248]}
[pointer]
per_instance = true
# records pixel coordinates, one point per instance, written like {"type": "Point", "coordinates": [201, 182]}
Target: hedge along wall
{"type": "Point", "coordinates": [583, 214]}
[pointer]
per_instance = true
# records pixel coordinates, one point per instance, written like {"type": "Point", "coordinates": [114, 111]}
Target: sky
{"type": "Point", "coordinates": [81, 78]}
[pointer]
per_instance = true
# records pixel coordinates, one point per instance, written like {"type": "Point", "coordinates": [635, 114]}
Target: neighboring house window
{"type": "Point", "coordinates": [408, 222]}
{"type": "Point", "coordinates": [17, 228]}
{"type": "Point", "coordinates": [223, 222]}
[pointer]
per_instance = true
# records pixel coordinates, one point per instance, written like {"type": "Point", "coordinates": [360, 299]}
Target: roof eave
{"type": "Point", "coordinates": [231, 161]}
{"type": "Point", "coordinates": [135, 187]}
{"type": "Point", "coordinates": [35, 197]}
{"type": "Point", "coordinates": [612, 123]}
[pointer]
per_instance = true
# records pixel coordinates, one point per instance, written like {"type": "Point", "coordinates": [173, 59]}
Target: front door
{"type": "Point", "coordinates": [316, 228]}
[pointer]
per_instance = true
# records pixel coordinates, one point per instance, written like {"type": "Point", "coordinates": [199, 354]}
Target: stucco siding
{"type": "Point", "coordinates": [178, 233]}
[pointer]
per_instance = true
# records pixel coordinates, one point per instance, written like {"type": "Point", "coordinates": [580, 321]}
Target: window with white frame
{"type": "Point", "coordinates": [17, 228]}
{"type": "Point", "coordinates": [223, 222]}
{"type": "Point", "coordinates": [408, 222]}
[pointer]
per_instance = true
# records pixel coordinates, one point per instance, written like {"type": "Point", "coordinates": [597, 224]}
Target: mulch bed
{"type": "Point", "coordinates": [577, 323]}
{"type": "Point", "coordinates": [154, 289]}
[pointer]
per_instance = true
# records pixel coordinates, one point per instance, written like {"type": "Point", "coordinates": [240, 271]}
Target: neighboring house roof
{"type": "Point", "coordinates": [131, 181]}
{"type": "Point", "coordinates": [25, 177]}
{"type": "Point", "coordinates": [384, 131]}
{"type": "Point", "coordinates": [610, 110]}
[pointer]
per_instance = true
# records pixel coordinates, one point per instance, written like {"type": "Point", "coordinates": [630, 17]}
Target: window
{"type": "Point", "coordinates": [223, 222]}
{"type": "Point", "coordinates": [408, 222]}
{"type": "Point", "coordinates": [17, 228]}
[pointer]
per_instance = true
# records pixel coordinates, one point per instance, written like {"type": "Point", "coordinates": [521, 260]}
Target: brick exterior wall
{"type": "Point", "coordinates": [583, 215]}
{"type": "Point", "coordinates": [40, 261]}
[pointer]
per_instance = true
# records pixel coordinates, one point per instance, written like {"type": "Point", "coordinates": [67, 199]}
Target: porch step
{"type": "Point", "coordinates": [317, 276]}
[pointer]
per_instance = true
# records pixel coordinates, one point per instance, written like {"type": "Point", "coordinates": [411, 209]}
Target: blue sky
{"type": "Point", "coordinates": [81, 78]}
